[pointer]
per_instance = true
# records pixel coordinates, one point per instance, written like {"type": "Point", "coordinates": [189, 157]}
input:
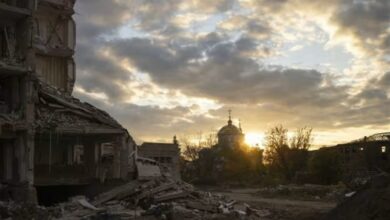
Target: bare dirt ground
{"type": "Point", "coordinates": [280, 208]}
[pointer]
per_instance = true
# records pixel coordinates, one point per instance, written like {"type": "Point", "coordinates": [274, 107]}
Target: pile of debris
{"type": "Point", "coordinates": [160, 198]}
{"type": "Point", "coordinates": [23, 211]}
{"type": "Point", "coordinates": [371, 202]}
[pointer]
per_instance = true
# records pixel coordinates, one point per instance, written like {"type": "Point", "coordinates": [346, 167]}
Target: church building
{"type": "Point", "coordinates": [230, 135]}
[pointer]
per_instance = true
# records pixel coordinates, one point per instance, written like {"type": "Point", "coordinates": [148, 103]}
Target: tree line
{"type": "Point", "coordinates": [283, 159]}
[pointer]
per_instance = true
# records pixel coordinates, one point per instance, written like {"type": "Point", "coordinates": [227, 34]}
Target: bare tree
{"type": "Point", "coordinates": [277, 149]}
{"type": "Point", "coordinates": [302, 139]}
{"type": "Point", "coordinates": [189, 150]}
{"type": "Point", "coordinates": [192, 145]}
{"type": "Point", "coordinates": [210, 140]}
{"type": "Point", "coordinates": [284, 158]}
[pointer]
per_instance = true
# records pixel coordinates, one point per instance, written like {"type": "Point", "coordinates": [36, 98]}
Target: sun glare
{"type": "Point", "coordinates": [254, 139]}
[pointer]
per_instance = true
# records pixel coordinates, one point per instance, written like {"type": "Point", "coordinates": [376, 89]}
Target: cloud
{"type": "Point", "coordinates": [225, 63]}
{"type": "Point", "coordinates": [296, 48]}
{"type": "Point", "coordinates": [221, 71]}
{"type": "Point", "coordinates": [385, 80]}
{"type": "Point", "coordinates": [148, 123]}
{"type": "Point", "coordinates": [363, 26]}
{"type": "Point", "coordinates": [97, 73]}
{"type": "Point", "coordinates": [367, 23]}
{"type": "Point", "coordinates": [98, 17]}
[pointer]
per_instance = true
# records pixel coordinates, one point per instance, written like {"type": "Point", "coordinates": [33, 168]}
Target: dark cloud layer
{"type": "Point", "coordinates": [227, 75]}
{"type": "Point", "coordinates": [368, 22]}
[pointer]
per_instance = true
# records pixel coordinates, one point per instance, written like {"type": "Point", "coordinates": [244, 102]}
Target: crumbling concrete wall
{"type": "Point", "coordinates": [37, 75]}
{"type": "Point", "coordinates": [17, 99]}
{"type": "Point", "coordinates": [55, 41]}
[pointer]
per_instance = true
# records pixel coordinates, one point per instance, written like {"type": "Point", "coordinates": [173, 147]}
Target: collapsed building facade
{"type": "Point", "coordinates": [48, 137]}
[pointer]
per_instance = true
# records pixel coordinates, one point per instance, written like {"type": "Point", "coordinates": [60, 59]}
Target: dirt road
{"type": "Point", "coordinates": [282, 209]}
{"type": "Point", "coordinates": [280, 202]}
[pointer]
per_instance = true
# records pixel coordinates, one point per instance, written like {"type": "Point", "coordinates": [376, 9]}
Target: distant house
{"type": "Point", "coordinates": [166, 154]}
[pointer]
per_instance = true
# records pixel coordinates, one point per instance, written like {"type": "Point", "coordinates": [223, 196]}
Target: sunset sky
{"type": "Point", "coordinates": [166, 67]}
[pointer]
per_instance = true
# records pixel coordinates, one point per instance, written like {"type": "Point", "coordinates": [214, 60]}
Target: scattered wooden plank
{"type": "Point", "coordinates": [83, 202]}
{"type": "Point", "coordinates": [124, 190]}
{"type": "Point", "coordinates": [156, 190]}
{"type": "Point", "coordinates": [170, 196]}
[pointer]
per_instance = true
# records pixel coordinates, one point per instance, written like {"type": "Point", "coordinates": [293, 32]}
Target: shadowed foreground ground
{"type": "Point", "coordinates": [280, 208]}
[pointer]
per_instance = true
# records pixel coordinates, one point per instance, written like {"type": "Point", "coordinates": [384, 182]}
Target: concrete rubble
{"type": "Point", "coordinates": [160, 198]}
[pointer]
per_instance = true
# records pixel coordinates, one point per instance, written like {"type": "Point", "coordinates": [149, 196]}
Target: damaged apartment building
{"type": "Point", "coordinates": [370, 154]}
{"type": "Point", "coordinates": [48, 138]}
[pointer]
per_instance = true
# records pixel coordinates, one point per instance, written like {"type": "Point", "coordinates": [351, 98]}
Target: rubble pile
{"type": "Point", "coordinates": [160, 198]}
{"type": "Point", "coordinates": [371, 202]}
{"type": "Point", "coordinates": [23, 211]}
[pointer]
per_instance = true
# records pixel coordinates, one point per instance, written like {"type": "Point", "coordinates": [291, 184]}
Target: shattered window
{"type": "Point", "coordinates": [78, 154]}
{"type": "Point", "coordinates": [107, 149]}
{"type": "Point", "coordinates": [3, 106]}
{"type": "Point", "coordinates": [3, 43]}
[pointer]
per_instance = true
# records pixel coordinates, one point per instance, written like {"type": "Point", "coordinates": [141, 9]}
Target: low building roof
{"type": "Point", "coordinates": [156, 144]}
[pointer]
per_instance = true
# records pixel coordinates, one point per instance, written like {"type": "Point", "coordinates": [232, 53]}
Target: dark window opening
{"type": "Point", "coordinates": [4, 49]}
{"type": "Point", "coordinates": [9, 162]}
{"type": "Point", "coordinates": [10, 94]}
{"type": "Point", "coordinates": [78, 154]}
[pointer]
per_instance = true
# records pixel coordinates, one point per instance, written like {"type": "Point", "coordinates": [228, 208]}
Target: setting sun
{"type": "Point", "coordinates": [254, 139]}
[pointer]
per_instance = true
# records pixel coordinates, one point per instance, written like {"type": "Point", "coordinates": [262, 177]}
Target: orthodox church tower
{"type": "Point", "coordinates": [230, 135]}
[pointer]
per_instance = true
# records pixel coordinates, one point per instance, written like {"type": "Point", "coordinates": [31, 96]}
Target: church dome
{"type": "Point", "coordinates": [229, 135]}
{"type": "Point", "coordinates": [229, 129]}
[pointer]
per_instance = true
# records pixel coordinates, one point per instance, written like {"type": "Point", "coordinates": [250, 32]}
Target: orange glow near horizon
{"type": "Point", "coordinates": [254, 139]}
